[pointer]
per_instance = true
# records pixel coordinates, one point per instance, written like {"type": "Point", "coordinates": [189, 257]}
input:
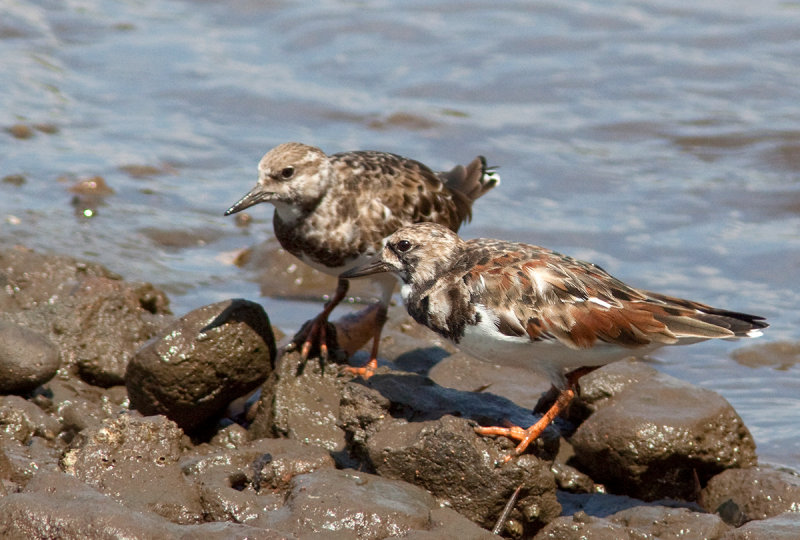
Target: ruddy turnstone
{"type": "Point", "coordinates": [332, 212]}
{"type": "Point", "coordinates": [524, 305]}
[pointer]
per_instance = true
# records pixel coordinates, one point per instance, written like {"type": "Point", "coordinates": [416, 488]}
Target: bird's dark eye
{"type": "Point", "coordinates": [287, 172]}
{"type": "Point", "coordinates": [403, 246]}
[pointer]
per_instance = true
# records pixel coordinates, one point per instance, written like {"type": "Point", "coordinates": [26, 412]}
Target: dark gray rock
{"type": "Point", "coordinates": [785, 526]}
{"type": "Point", "coordinates": [652, 437]}
{"type": "Point", "coordinates": [27, 359]}
{"type": "Point", "coordinates": [398, 425]}
{"type": "Point", "coordinates": [57, 505]}
{"type": "Point", "coordinates": [460, 371]}
{"type": "Point", "coordinates": [134, 460]}
{"type": "Point", "coordinates": [348, 504]}
{"type": "Point", "coordinates": [418, 398]}
{"type": "Point", "coordinates": [754, 493]}
{"type": "Point", "coordinates": [570, 479]}
{"type": "Point", "coordinates": [202, 362]}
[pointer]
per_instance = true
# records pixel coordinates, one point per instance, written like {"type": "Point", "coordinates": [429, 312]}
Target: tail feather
{"type": "Point", "coordinates": [474, 180]}
{"type": "Point", "coordinates": [693, 319]}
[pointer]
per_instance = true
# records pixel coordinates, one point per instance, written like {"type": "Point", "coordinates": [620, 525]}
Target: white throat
{"type": "Point", "coordinates": [288, 213]}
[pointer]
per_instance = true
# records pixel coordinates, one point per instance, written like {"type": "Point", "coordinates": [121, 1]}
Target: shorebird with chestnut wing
{"type": "Point", "coordinates": [333, 212]}
{"type": "Point", "coordinates": [514, 303]}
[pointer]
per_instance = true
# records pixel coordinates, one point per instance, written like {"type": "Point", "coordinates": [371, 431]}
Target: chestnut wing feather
{"type": "Point", "coordinates": [549, 296]}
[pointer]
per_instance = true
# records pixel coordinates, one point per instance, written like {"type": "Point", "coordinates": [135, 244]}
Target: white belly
{"type": "Point", "coordinates": [549, 357]}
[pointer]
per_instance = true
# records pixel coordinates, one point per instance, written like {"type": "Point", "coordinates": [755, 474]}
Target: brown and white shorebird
{"type": "Point", "coordinates": [333, 212]}
{"type": "Point", "coordinates": [518, 304]}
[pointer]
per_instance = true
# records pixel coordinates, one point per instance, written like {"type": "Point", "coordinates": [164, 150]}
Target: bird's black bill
{"type": "Point", "coordinates": [255, 196]}
{"type": "Point", "coordinates": [374, 267]}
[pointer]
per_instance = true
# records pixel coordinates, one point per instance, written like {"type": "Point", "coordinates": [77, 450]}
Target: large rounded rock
{"type": "Point", "coordinates": [202, 362]}
{"type": "Point", "coordinates": [27, 359]}
{"type": "Point", "coordinates": [651, 439]}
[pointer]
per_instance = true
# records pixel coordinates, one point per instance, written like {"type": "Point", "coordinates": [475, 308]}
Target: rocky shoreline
{"type": "Point", "coordinates": [119, 419]}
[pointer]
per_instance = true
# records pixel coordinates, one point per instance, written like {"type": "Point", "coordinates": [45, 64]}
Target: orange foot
{"type": "Point", "coordinates": [313, 336]}
{"type": "Point", "coordinates": [527, 436]}
{"type": "Point", "coordinates": [366, 371]}
{"type": "Point", "coordinates": [355, 329]}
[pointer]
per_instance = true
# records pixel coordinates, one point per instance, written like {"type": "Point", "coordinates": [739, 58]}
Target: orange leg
{"type": "Point", "coordinates": [527, 436]}
{"type": "Point", "coordinates": [317, 331]}
{"type": "Point", "coordinates": [368, 370]}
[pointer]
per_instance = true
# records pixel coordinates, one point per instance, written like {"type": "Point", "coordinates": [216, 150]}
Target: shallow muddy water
{"type": "Point", "coordinates": [658, 140]}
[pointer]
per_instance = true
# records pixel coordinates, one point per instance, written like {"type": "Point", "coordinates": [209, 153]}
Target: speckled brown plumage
{"type": "Point", "coordinates": [333, 212]}
{"type": "Point", "coordinates": [514, 303]}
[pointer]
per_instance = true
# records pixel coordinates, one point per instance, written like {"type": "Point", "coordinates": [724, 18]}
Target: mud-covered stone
{"type": "Point", "coordinates": [570, 479]}
{"type": "Point", "coordinates": [77, 405]}
{"type": "Point", "coordinates": [29, 279]}
{"type": "Point", "coordinates": [349, 504]}
{"type": "Point", "coordinates": [19, 462]}
{"type": "Point", "coordinates": [581, 526]}
{"type": "Point", "coordinates": [447, 458]}
{"type": "Point", "coordinates": [400, 425]}
{"type": "Point", "coordinates": [27, 359]}
{"type": "Point", "coordinates": [134, 460]}
{"type": "Point", "coordinates": [202, 362]}
{"type": "Point", "coordinates": [23, 419]}
{"type": "Point", "coordinates": [447, 523]}
{"type": "Point", "coordinates": [670, 523]}
{"type": "Point", "coordinates": [115, 318]}
{"type": "Point", "coordinates": [301, 401]}
{"type": "Point", "coordinates": [755, 493]}
{"type": "Point", "coordinates": [636, 523]}
{"type": "Point", "coordinates": [651, 438]}
{"type": "Point", "coordinates": [96, 319]}
{"type": "Point", "coordinates": [784, 526]}
{"type": "Point", "coordinates": [245, 483]}
{"type": "Point", "coordinates": [57, 505]}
